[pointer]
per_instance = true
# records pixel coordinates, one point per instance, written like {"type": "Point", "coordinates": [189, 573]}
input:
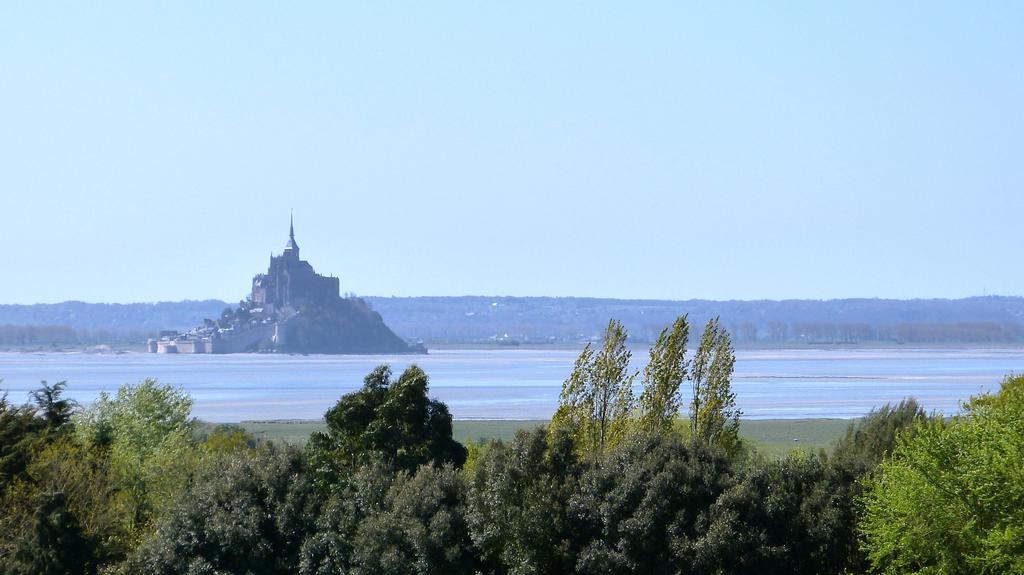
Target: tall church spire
{"type": "Point", "coordinates": [291, 248]}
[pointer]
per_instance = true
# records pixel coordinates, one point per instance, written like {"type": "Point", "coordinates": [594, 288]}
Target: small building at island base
{"type": "Point", "coordinates": [180, 346]}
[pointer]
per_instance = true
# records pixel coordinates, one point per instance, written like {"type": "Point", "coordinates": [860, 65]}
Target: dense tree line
{"type": "Point", "coordinates": [653, 483]}
{"type": "Point", "coordinates": [21, 335]}
{"type": "Point", "coordinates": [897, 332]}
{"type": "Point", "coordinates": [538, 319]}
{"type": "Point", "coordinates": [62, 335]}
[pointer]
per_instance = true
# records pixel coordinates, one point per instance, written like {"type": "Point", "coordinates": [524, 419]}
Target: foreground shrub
{"type": "Point", "coordinates": [55, 543]}
{"type": "Point", "coordinates": [244, 513]}
{"type": "Point", "coordinates": [518, 503]}
{"type": "Point", "coordinates": [641, 508]}
{"type": "Point", "coordinates": [386, 523]}
{"type": "Point", "coordinates": [22, 430]}
{"type": "Point", "coordinates": [146, 430]}
{"type": "Point", "coordinates": [79, 476]}
{"type": "Point", "coordinates": [867, 443]}
{"type": "Point", "coordinates": [951, 499]}
{"type": "Point", "coordinates": [780, 517]}
{"type": "Point", "coordinates": [873, 437]}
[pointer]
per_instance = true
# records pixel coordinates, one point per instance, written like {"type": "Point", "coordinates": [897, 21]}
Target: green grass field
{"type": "Point", "coordinates": [771, 437]}
{"type": "Point", "coordinates": [298, 431]}
{"type": "Point", "coordinates": [775, 437]}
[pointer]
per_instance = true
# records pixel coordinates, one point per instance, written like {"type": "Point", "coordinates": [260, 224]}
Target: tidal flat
{"type": "Point", "coordinates": [522, 384]}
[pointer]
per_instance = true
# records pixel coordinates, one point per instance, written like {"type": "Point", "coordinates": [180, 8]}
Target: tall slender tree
{"type": "Point", "coordinates": [664, 375]}
{"type": "Point", "coordinates": [714, 417]}
{"type": "Point", "coordinates": [597, 397]}
{"type": "Point", "coordinates": [613, 387]}
{"type": "Point", "coordinates": [576, 401]}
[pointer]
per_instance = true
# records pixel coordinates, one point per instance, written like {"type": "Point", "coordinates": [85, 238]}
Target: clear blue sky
{"type": "Point", "coordinates": [665, 150]}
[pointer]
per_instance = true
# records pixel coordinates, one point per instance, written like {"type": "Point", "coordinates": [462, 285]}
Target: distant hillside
{"type": "Point", "coordinates": [479, 319]}
{"type": "Point", "coordinates": [474, 318]}
{"type": "Point", "coordinates": [114, 316]}
{"type": "Point", "coordinates": [100, 322]}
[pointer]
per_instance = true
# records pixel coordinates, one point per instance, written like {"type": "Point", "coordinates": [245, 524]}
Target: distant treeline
{"type": "Point", "coordinates": [114, 317]}
{"type": "Point", "coordinates": [62, 335]}
{"type": "Point", "coordinates": [561, 320]}
{"type": "Point", "coordinates": [79, 323]}
{"type": "Point", "coordinates": [481, 319]}
{"type": "Point", "coordinates": [963, 332]}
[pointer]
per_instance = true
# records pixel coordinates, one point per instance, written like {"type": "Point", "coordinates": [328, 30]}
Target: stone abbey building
{"type": "Point", "coordinates": [291, 309]}
{"type": "Point", "coordinates": [290, 280]}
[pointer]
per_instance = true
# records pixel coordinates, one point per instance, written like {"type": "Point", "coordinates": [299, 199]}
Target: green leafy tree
{"type": "Point", "coordinates": [872, 438]}
{"type": "Point", "coordinates": [245, 512]}
{"type": "Point", "coordinates": [19, 431]}
{"type": "Point", "coordinates": [56, 545]}
{"type": "Point", "coordinates": [148, 431]}
{"type": "Point", "coordinates": [574, 415]}
{"type": "Point", "coordinates": [331, 548]}
{"type": "Point", "coordinates": [613, 388]}
{"type": "Point", "coordinates": [392, 420]}
{"type": "Point", "coordinates": [41, 467]}
{"type": "Point", "coordinates": [778, 517]}
{"type": "Point", "coordinates": [951, 497]}
{"type": "Point", "coordinates": [867, 442]}
{"type": "Point", "coordinates": [53, 408]}
{"type": "Point", "coordinates": [596, 401]}
{"type": "Point", "coordinates": [714, 417]}
{"type": "Point", "coordinates": [666, 370]}
{"type": "Point", "coordinates": [227, 438]}
{"type": "Point", "coordinates": [81, 475]}
{"type": "Point", "coordinates": [639, 508]}
{"type": "Point", "coordinates": [387, 522]}
{"type": "Point", "coordinates": [518, 504]}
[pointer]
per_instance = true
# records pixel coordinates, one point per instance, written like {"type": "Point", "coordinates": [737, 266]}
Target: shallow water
{"type": "Point", "coordinates": [521, 383]}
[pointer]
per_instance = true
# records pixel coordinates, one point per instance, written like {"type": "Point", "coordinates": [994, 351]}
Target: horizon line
{"type": "Point", "coordinates": [605, 298]}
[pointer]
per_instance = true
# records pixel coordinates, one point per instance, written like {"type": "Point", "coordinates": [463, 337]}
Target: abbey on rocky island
{"type": "Point", "coordinates": [290, 280]}
{"type": "Point", "coordinates": [292, 309]}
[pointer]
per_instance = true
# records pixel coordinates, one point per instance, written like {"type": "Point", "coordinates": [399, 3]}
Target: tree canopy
{"type": "Point", "coordinates": [596, 402]}
{"type": "Point", "coordinates": [951, 497]}
{"type": "Point", "coordinates": [597, 406]}
{"type": "Point", "coordinates": [391, 420]}
{"type": "Point", "coordinates": [245, 512]}
{"type": "Point", "coordinates": [714, 417]}
{"type": "Point", "coordinates": [666, 370]}
{"type": "Point", "coordinates": [147, 428]}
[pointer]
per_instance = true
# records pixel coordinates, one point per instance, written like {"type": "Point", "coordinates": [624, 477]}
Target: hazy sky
{"type": "Point", "coordinates": [664, 150]}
